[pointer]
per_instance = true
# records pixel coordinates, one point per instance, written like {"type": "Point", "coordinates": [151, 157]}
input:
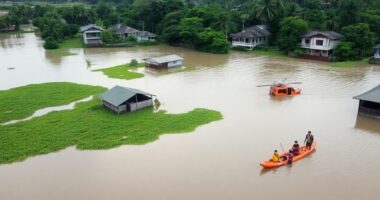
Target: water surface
{"type": "Point", "coordinates": [216, 161]}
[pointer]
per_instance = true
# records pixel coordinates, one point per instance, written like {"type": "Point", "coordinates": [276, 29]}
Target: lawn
{"type": "Point", "coordinates": [90, 126]}
{"type": "Point", "coordinates": [21, 102]}
{"type": "Point", "coordinates": [122, 72]}
{"type": "Point", "coordinates": [64, 47]}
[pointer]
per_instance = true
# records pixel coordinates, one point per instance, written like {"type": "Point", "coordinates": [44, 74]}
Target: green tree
{"type": "Point", "coordinates": [107, 36]}
{"type": "Point", "coordinates": [361, 37]}
{"type": "Point", "coordinates": [316, 19]}
{"type": "Point", "coordinates": [212, 41]}
{"type": "Point", "coordinates": [343, 51]}
{"type": "Point", "coordinates": [189, 29]}
{"type": "Point", "coordinates": [51, 43]}
{"type": "Point", "coordinates": [291, 29]}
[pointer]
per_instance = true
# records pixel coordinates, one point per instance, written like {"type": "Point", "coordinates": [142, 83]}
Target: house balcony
{"type": "Point", "coordinates": [243, 44]}
{"type": "Point", "coordinates": [317, 47]}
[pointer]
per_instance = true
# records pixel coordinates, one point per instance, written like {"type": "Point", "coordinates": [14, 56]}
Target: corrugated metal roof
{"type": "Point", "coordinates": [377, 46]}
{"type": "Point", "coordinates": [252, 32]}
{"type": "Point", "coordinates": [145, 34]}
{"type": "Point", "coordinates": [372, 95]}
{"type": "Point", "coordinates": [122, 28]}
{"type": "Point", "coordinates": [164, 59]}
{"type": "Point", "coordinates": [118, 95]}
{"type": "Point", "coordinates": [88, 26]}
{"type": "Point", "coordinates": [329, 34]}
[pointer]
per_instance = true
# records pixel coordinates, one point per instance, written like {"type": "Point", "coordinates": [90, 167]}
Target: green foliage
{"type": "Point", "coordinates": [133, 63]}
{"type": "Point", "coordinates": [316, 19]}
{"type": "Point", "coordinates": [361, 38]}
{"type": "Point", "coordinates": [107, 36]}
{"type": "Point", "coordinates": [122, 72]}
{"type": "Point", "coordinates": [344, 51]}
{"type": "Point", "coordinates": [291, 29]}
{"type": "Point", "coordinates": [38, 96]}
{"type": "Point", "coordinates": [190, 28]}
{"type": "Point", "coordinates": [51, 43]}
{"type": "Point", "coordinates": [89, 126]}
{"type": "Point", "coordinates": [212, 41]}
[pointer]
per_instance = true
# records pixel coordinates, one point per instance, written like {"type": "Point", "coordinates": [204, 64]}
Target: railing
{"type": "Point", "coordinates": [245, 44]}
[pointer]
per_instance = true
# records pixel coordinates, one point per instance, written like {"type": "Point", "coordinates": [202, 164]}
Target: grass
{"type": "Point", "coordinates": [90, 126]}
{"type": "Point", "coordinates": [122, 72]}
{"type": "Point", "coordinates": [19, 103]}
{"type": "Point", "coordinates": [349, 63]}
{"type": "Point", "coordinates": [64, 47]}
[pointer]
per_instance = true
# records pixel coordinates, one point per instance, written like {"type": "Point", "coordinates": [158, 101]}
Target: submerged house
{"type": "Point", "coordinates": [122, 99]}
{"type": "Point", "coordinates": [124, 31]}
{"type": "Point", "coordinates": [250, 37]}
{"type": "Point", "coordinates": [319, 45]}
{"type": "Point", "coordinates": [376, 55]}
{"type": "Point", "coordinates": [145, 36]}
{"type": "Point", "coordinates": [369, 102]}
{"type": "Point", "coordinates": [91, 34]}
{"type": "Point", "coordinates": [164, 62]}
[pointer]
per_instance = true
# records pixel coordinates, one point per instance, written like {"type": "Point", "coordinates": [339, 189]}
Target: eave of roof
{"type": "Point", "coordinates": [372, 95]}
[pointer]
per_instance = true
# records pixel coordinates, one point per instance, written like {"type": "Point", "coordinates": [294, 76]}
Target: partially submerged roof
{"type": "Point", "coordinates": [329, 34]}
{"type": "Point", "coordinates": [118, 95]}
{"type": "Point", "coordinates": [377, 46]}
{"type": "Point", "coordinates": [145, 34]}
{"type": "Point", "coordinates": [164, 59]}
{"type": "Point", "coordinates": [372, 95]}
{"type": "Point", "coordinates": [122, 29]}
{"type": "Point", "coordinates": [252, 32]}
{"type": "Point", "coordinates": [90, 26]}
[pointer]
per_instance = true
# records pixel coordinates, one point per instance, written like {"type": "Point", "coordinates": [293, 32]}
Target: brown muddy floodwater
{"type": "Point", "coordinates": [217, 161]}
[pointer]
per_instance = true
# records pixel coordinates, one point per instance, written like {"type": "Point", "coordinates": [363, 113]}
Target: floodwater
{"type": "Point", "coordinates": [219, 160]}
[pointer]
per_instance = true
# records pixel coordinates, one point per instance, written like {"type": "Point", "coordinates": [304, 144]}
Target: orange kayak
{"type": "Point", "coordinates": [303, 153]}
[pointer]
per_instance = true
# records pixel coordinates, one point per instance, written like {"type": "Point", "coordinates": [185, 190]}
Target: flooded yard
{"type": "Point", "coordinates": [219, 160]}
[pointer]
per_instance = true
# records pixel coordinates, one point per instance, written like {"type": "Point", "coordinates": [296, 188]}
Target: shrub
{"type": "Point", "coordinates": [51, 43]}
{"type": "Point", "coordinates": [133, 63]}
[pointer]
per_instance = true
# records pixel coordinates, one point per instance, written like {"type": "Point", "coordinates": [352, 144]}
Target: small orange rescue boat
{"type": "Point", "coordinates": [303, 153]}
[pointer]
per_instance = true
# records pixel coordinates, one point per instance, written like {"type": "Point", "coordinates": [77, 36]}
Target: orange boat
{"type": "Point", "coordinates": [303, 153]}
{"type": "Point", "coordinates": [282, 89]}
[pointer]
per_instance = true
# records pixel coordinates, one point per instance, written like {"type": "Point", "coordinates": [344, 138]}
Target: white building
{"type": "Point", "coordinates": [250, 37]}
{"type": "Point", "coordinates": [91, 34]}
{"type": "Point", "coordinates": [320, 44]}
{"type": "Point", "coordinates": [164, 62]}
{"type": "Point", "coordinates": [145, 36]}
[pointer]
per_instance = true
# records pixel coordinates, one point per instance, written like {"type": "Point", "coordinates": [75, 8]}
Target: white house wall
{"type": "Point", "coordinates": [327, 43]}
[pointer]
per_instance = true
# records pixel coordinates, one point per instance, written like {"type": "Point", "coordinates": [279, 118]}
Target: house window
{"type": "Point", "coordinates": [307, 41]}
{"type": "Point", "coordinates": [319, 42]}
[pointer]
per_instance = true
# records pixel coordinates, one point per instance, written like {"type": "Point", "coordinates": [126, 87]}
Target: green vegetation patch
{"type": "Point", "coordinates": [349, 63]}
{"type": "Point", "coordinates": [122, 72]}
{"type": "Point", "coordinates": [91, 126]}
{"type": "Point", "coordinates": [64, 47]}
{"type": "Point", "coordinates": [21, 102]}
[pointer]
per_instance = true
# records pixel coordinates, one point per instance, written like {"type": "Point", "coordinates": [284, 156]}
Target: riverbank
{"type": "Point", "coordinates": [88, 126]}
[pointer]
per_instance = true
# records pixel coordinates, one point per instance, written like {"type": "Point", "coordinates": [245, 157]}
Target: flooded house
{"type": "Point", "coordinates": [369, 102]}
{"type": "Point", "coordinates": [164, 62]}
{"type": "Point", "coordinates": [376, 55]}
{"type": "Point", "coordinates": [122, 99]}
{"type": "Point", "coordinates": [124, 31]}
{"type": "Point", "coordinates": [319, 45]}
{"type": "Point", "coordinates": [250, 37]}
{"type": "Point", "coordinates": [91, 34]}
{"type": "Point", "coordinates": [145, 36]}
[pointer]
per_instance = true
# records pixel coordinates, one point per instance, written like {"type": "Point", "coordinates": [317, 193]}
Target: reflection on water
{"type": "Point", "coordinates": [368, 124]}
{"type": "Point", "coordinates": [216, 161]}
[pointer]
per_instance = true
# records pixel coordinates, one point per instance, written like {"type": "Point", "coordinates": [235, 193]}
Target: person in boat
{"type": "Point", "coordinates": [296, 148]}
{"type": "Point", "coordinates": [290, 157]}
{"type": "Point", "coordinates": [275, 156]}
{"type": "Point", "coordinates": [309, 139]}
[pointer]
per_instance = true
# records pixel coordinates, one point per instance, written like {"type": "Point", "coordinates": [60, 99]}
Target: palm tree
{"type": "Point", "coordinates": [269, 9]}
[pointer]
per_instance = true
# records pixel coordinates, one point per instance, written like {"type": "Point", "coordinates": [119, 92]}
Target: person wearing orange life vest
{"type": "Point", "coordinates": [275, 156]}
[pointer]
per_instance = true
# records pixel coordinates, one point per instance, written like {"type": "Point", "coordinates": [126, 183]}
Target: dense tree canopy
{"type": "Point", "coordinates": [184, 21]}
